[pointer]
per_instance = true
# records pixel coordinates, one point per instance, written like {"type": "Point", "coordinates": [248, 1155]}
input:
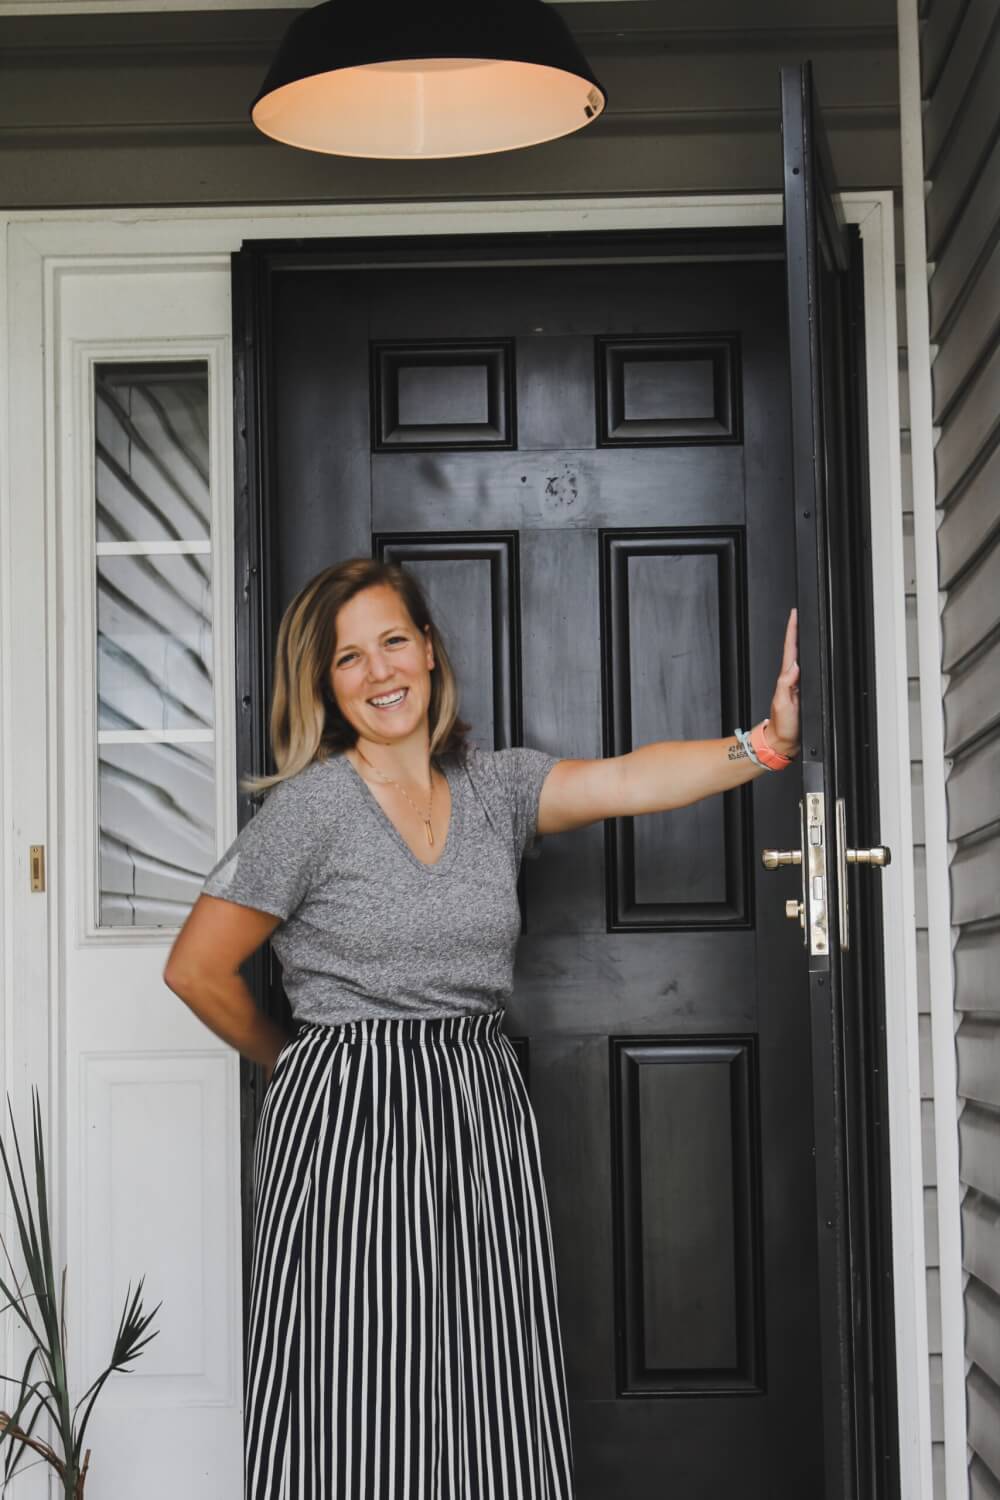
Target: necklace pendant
{"type": "Point", "coordinates": [428, 830]}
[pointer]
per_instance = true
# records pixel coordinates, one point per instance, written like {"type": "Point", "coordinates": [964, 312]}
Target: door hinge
{"type": "Point", "coordinates": [37, 862]}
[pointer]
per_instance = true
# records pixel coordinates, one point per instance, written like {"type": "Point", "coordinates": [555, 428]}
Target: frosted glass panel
{"type": "Point", "coordinates": [152, 455]}
{"type": "Point", "coordinates": [154, 642]}
{"type": "Point", "coordinates": [157, 831]}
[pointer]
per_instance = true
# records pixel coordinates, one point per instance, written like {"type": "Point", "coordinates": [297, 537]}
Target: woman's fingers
{"type": "Point", "coordinates": [784, 714]}
{"type": "Point", "coordinates": [791, 648]}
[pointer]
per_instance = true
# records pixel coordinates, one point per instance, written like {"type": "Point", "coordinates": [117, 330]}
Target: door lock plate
{"type": "Point", "coordinates": [816, 882]}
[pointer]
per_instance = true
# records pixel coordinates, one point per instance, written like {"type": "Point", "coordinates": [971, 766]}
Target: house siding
{"type": "Point", "coordinates": [960, 67]}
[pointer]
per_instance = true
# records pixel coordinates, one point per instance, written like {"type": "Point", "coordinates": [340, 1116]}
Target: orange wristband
{"type": "Point", "coordinates": [771, 758]}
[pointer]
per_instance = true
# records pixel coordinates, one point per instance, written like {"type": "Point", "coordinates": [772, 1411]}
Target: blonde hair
{"type": "Point", "coordinates": [305, 723]}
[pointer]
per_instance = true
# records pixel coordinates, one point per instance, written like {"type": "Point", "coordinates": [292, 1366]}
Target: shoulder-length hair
{"type": "Point", "coordinates": [306, 725]}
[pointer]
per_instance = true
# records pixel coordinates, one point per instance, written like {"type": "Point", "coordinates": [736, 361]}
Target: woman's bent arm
{"type": "Point", "coordinates": [203, 970]}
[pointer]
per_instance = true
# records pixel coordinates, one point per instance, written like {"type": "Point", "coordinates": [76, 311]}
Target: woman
{"type": "Point", "coordinates": [404, 1335]}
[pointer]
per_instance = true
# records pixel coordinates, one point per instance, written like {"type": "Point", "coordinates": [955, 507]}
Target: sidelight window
{"type": "Point", "coordinates": [154, 620]}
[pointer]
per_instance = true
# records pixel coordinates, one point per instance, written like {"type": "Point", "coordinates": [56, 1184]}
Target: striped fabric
{"type": "Point", "coordinates": [404, 1338]}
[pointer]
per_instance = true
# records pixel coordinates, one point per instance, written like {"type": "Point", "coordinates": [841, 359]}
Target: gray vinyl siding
{"type": "Point", "coordinates": [920, 903]}
{"type": "Point", "coordinates": [960, 58]}
{"type": "Point", "coordinates": [121, 110]}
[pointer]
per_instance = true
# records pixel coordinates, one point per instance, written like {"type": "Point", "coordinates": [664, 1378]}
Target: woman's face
{"type": "Point", "coordinates": [381, 655]}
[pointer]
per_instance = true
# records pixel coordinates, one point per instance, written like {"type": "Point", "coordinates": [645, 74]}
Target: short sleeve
{"type": "Point", "coordinates": [521, 772]}
{"type": "Point", "coordinates": [270, 863]}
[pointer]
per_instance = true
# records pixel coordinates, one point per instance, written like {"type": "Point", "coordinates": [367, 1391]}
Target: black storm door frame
{"type": "Point", "coordinates": [842, 915]}
{"type": "Point", "coordinates": [853, 1227]}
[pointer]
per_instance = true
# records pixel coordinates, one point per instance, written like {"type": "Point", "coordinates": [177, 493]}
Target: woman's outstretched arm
{"type": "Point", "coordinates": [669, 773]}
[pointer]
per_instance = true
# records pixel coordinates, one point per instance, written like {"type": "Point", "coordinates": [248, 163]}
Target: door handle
{"type": "Point", "coordinates": [772, 858]}
{"type": "Point", "coordinates": [881, 855]}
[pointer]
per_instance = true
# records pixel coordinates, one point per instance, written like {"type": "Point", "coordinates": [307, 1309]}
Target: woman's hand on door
{"type": "Point", "coordinates": [782, 732]}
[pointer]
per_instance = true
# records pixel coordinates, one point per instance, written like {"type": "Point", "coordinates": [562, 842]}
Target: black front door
{"type": "Point", "coordinates": [583, 450]}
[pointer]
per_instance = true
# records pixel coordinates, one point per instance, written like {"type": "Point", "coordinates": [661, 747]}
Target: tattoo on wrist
{"type": "Point", "coordinates": [737, 752]}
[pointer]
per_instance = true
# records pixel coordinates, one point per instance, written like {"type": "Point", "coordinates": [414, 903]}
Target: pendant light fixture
{"type": "Point", "coordinates": [416, 79]}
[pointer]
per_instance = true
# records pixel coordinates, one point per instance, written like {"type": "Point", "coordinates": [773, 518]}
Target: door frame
{"type": "Point", "coordinates": [34, 249]}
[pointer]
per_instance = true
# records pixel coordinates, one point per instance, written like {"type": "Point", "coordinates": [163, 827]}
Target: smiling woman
{"type": "Point", "coordinates": [384, 867]}
{"type": "Point", "coordinates": [398, 1091]}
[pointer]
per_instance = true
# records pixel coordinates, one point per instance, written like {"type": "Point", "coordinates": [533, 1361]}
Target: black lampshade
{"type": "Point", "coordinates": [415, 80]}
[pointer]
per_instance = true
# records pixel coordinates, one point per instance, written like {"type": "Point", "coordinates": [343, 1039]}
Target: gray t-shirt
{"type": "Point", "coordinates": [368, 930]}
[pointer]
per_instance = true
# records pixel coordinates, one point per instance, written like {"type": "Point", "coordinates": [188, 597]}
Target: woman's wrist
{"type": "Point", "coordinates": [763, 751]}
{"type": "Point", "coordinates": [781, 747]}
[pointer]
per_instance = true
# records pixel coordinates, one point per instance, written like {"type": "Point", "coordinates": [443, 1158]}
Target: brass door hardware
{"type": "Point", "coordinates": [772, 858]}
{"type": "Point", "coordinates": [881, 855]}
{"type": "Point", "coordinates": [813, 866]}
{"type": "Point", "coordinates": [37, 866]}
{"type": "Point", "coordinates": [816, 934]}
{"type": "Point", "coordinates": [814, 848]}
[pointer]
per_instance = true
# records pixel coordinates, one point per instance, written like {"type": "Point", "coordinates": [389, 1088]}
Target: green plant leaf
{"type": "Point", "coordinates": [42, 1199]}
{"type": "Point", "coordinates": [36, 1252]}
{"type": "Point", "coordinates": [127, 1345]}
{"type": "Point", "coordinates": [62, 1307]}
{"type": "Point", "coordinates": [32, 1253]}
{"type": "Point", "coordinates": [15, 1454]}
{"type": "Point", "coordinates": [22, 1401]}
{"type": "Point", "coordinates": [36, 1390]}
{"type": "Point", "coordinates": [17, 1303]}
{"type": "Point", "coordinates": [50, 1345]}
{"type": "Point", "coordinates": [25, 1224]}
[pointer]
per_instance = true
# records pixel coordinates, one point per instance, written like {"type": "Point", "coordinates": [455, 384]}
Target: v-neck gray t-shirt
{"type": "Point", "coordinates": [368, 929]}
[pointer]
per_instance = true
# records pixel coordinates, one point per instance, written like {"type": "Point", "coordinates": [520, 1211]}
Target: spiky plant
{"type": "Point", "coordinates": [45, 1322]}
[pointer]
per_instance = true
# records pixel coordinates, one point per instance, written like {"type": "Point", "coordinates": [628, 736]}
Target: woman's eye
{"type": "Point", "coordinates": [342, 661]}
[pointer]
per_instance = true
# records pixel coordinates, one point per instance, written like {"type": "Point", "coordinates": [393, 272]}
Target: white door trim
{"type": "Point", "coordinates": [35, 246]}
{"type": "Point", "coordinates": [940, 932]}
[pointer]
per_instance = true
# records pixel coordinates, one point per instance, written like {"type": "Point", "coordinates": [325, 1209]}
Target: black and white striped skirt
{"type": "Point", "coordinates": [404, 1338]}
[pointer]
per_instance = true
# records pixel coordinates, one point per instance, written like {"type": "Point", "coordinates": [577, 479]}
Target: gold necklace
{"type": "Point", "coordinates": [425, 816]}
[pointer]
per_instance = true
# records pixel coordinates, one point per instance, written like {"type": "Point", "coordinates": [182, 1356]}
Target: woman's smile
{"type": "Point", "coordinates": [386, 702]}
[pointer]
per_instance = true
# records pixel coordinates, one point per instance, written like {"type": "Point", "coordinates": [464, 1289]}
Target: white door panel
{"type": "Point", "coordinates": [150, 1110]}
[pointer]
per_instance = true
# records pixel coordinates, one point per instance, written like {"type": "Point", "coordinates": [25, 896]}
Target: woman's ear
{"type": "Point", "coordinates": [430, 648]}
